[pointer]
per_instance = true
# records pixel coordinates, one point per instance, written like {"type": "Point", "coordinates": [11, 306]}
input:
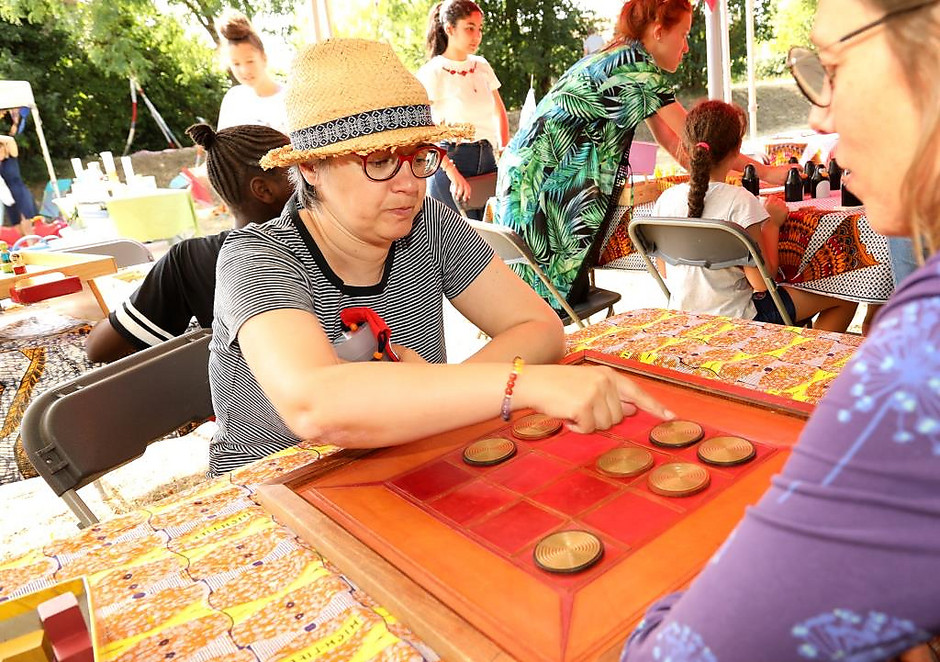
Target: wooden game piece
{"type": "Point", "coordinates": [568, 552]}
{"type": "Point", "coordinates": [726, 451]}
{"type": "Point", "coordinates": [66, 629]}
{"type": "Point", "coordinates": [676, 434]}
{"type": "Point", "coordinates": [536, 426]}
{"type": "Point", "coordinates": [624, 462]}
{"type": "Point", "coordinates": [487, 452]}
{"type": "Point", "coordinates": [25, 648]}
{"type": "Point", "coordinates": [678, 479]}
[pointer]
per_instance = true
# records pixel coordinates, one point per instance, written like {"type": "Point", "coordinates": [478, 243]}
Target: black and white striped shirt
{"type": "Point", "coordinates": [278, 265]}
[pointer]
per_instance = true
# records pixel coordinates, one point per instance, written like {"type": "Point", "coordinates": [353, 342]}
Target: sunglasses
{"type": "Point", "coordinates": [814, 78]}
{"type": "Point", "coordinates": [383, 165]}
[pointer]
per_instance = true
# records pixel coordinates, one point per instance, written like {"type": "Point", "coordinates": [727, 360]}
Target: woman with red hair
{"type": "Point", "coordinates": [562, 173]}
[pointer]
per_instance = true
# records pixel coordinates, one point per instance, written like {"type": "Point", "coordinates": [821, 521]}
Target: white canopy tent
{"type": "Point", "coordinates": [19, 94]}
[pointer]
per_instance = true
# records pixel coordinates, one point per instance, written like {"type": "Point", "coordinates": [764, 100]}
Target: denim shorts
{"type": "Point", "coordinates": [767, 309]}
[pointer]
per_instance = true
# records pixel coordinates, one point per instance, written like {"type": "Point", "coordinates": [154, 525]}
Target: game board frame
{"type": "Point", "coordinates": [457, 630]}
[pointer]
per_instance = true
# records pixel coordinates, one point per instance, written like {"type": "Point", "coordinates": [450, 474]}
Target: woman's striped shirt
{"type": "Point", "coordinates": [278, 265]}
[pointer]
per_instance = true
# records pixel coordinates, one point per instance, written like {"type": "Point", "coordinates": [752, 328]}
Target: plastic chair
{"type": "Point", "coordinates": [700, 242]}
{"type": "Point", "coordinates": [126, 252]}
{"type": "Point", "coordinates": [482, 188]}
{"type": "Point", "coordinates": [512, 249]}
{"type": "Point", "coordinates": [85, 427]}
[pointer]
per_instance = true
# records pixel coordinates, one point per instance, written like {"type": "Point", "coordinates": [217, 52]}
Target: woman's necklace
{"type": "Point", "coordinates": [465, 72]}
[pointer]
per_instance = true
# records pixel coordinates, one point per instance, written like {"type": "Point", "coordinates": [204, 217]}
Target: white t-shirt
{"type": "Point", "coordinates": [241, 105]}
{"type": "Point", "coordinates": [462, 93]}
{"type": "Point", "coordinates": [714, 291]}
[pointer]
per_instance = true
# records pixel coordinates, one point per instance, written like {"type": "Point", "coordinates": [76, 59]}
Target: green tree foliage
{"type": "Point", "coordinates": [792, 25]}
{"type": "Point", "coordinates": [86, 107]}
{"type": "Point", "coordinates": [692, 75]}
{"type": "Point", "coordinates": [522, 38]}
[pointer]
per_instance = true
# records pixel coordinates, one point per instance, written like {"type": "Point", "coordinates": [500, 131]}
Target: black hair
{"type": "Point", "coordinates": [444, 13]}
{"type": "Point", "coordinates": [233, 155]}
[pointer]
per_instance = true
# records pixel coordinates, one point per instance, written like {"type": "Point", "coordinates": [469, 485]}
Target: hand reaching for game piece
{"type": "Point", "coordinates": [586, 398]}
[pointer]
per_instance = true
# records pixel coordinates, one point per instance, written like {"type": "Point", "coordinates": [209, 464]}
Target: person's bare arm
{"type": "Point", "coordinates": [503, 121]}
{"type": "Point", "coordinates": [510, 312]}
{"type": "Point", "coordinates": [104, 344]}
{"type": "Point", "coordinates": [666, 127]}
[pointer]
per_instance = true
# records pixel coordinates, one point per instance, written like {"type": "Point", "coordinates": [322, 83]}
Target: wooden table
{"type": "Point", "coordinates": [210, 572]}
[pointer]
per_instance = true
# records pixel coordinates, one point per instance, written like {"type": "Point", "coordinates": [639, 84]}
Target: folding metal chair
{"type": "Point", "coordinates": [700, 242]}
{"type": "Point", "coordinates": [513, 250]}
{"type": "Point", "coordinates": [85, 427]}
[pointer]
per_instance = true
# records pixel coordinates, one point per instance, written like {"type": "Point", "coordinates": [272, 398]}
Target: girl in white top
{"type": "Point", "coordinates": [463, 90]}
{"type": "Point", "coordinates": [712, 137]}
{"type": "Point", "coordinates": [258, 99]}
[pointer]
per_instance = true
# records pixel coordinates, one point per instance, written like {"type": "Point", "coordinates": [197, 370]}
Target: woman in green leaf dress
{"type": "Point", "coordinates": [561, 175]}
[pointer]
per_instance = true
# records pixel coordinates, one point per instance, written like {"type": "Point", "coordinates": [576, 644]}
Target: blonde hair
{"type": "Point", "coordinates": [915, 41]}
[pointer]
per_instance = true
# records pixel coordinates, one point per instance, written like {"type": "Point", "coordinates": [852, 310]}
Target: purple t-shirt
{"type": "Point", "coordinates": [840, 560]}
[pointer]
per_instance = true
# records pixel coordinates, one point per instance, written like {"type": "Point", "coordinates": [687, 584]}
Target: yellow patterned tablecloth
{"type": "Point", "coordinates": [208, 575]}
{"type": "Point", "coordinates": [786, 361]}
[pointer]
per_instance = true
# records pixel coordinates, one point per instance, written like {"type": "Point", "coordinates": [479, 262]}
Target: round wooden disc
{"type": "Point", "coordinates": [624, 462]}
{"type": "Point", "coordinates": [726, 451]}
{"type": "Point", "coordinates": [568, 551]}
{"type": "Point", "coordinates": [486, 452]}
{"type": "Point", "coordinates": [678, 479]}
{"type": "Point", "coordinates": [676, 434]}
{"type": "Point", "coordinates": [536, 426]}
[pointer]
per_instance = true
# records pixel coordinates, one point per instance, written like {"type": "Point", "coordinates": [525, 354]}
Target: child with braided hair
{"type": "Point", "coordinates": [712, 139]}
{"type": "Point", "coordinates": [181, 285]}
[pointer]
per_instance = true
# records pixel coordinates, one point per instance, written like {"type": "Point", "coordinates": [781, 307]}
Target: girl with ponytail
{"type": "Point", "coordinates": [463, 90]}
{"type": "Point", "coordinates": [258, 98]}
{"type": "Point", "coordinates": [711, 142]}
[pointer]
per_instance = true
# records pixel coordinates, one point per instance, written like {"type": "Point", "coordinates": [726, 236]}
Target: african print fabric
{"type": "Point", "coordinates": [561, 174]}
{"type": "Point", "coordinates": [36, 353]}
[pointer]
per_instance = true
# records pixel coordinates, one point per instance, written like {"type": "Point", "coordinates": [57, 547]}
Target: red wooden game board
{"type": "Point", "coordinates": [460, 538]}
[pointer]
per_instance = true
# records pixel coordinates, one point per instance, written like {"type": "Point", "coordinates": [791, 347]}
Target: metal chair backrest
{"type": "Point", "coordinates": [513, 249]}
{"type": "Point", "coordinates": [85, 427]}
{"type": "Point", "coordinates": [700, 242]}
{"type": "Point", "coordinates": [126, 252]}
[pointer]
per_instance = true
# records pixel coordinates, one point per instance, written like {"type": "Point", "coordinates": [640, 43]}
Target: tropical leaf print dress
{"type": "Point", "coordinates": [561, 175]}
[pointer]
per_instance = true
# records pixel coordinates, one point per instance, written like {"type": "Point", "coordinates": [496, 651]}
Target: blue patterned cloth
{"type": "Point", "coordinates": [841, 558]}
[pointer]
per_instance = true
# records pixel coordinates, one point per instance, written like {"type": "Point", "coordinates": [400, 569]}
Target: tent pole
{"type": "Point", "coordinates": [315, 6]}
{"type": "Point", "coordinates": [725, 52]}
{"type": "Point", "coordinates": [45, 152]}
{"type": "Point", "coordinates": [751, 74]}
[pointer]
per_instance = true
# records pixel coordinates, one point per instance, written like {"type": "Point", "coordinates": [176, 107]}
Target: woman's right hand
{"type": "Point", "coordinates": [459, 186]}
{"type": "Point", "coordinates": [588, 398]}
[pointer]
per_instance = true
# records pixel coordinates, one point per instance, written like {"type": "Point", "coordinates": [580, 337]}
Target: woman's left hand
{"type": "Point", "coordinates": [459, 186]}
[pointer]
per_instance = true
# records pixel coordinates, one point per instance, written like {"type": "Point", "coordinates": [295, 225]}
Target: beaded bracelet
{"type": "Point", "coordinates": [505, 410]}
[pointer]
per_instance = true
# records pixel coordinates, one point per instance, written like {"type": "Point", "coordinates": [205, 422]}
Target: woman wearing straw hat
{"type": "Point", "coordinates": [363, 234]}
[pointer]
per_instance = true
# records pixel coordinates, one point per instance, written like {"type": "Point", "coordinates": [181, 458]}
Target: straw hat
{"type": "Point", "coordinates": [353, 96]}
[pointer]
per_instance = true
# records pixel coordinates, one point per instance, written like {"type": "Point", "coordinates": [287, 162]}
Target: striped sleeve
{"type": "Point", "coordinates": [255, 275]}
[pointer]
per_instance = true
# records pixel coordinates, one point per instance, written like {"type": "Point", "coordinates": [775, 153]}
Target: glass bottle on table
{"type": "Point", "coordinates": [750, 180]}
{"type": "Point", "coordinates": [808, 171]}
{"type": "Point", "coordinates": [835, 175]}
{"type": "Point", "coordinates": [793, 186]}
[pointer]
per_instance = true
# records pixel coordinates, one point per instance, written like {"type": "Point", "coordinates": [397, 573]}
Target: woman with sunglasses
{"type": "Point", "coordinates": [361, 233]}
{"type": "Point", "coordinates": [840, 560]}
